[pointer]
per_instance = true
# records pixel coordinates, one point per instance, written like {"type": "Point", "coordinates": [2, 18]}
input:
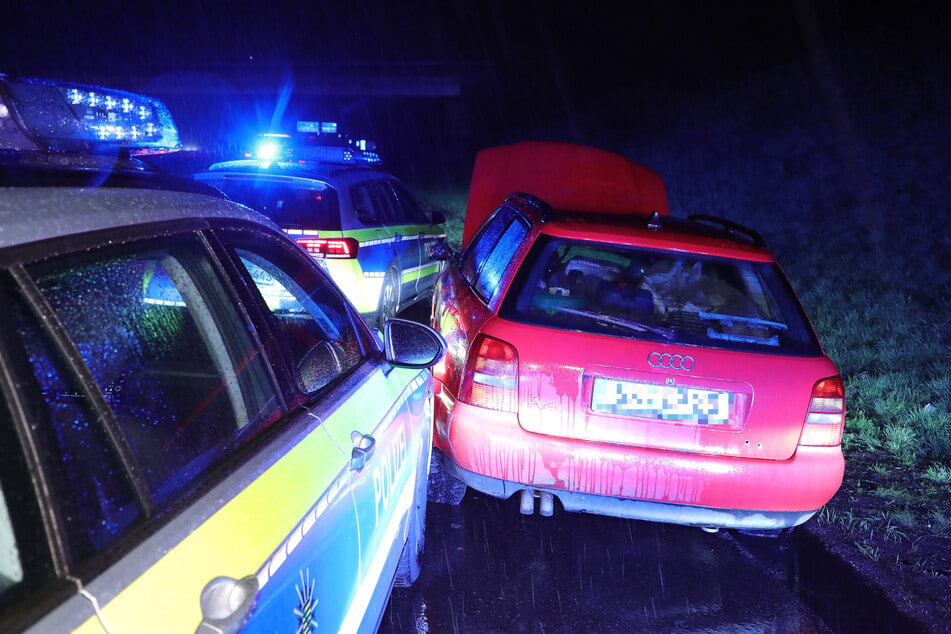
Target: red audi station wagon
{"type": "Point", "coordinates": [623, 361]}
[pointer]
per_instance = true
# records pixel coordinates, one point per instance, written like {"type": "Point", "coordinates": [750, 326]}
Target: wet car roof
{"type": "Point", "coordinates": [664, 232]}
{"type": "Point", "coordinates": [70, 210]}
{"type": "Point", "coordinates": [340, 174]}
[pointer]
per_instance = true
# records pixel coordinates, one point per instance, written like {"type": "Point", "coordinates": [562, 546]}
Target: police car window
{"type": "Point", "coordinates": [384, 200]}
{"type": "Point", "coordinates": [169, 351]}
{"type": "Point", "coordinates": [412, 212]}
{"type": "Point", "coordinates": [11, 569]}
{"type": "Point", "coordinates": [306, 308]}
{"type": "Point", "coordinates": [289, 206]}
{"type": "Point", "coordinates": [363, 207]}
{"type": "Point", "coordinates": [95, 500]}
{"type": "Point", "coordinates": [25, 563]}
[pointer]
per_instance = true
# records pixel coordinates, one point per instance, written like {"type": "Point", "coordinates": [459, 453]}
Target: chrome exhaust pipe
{"type": "Point", "coordinates": [546, 504]}
{"type": "Point", "coordinates": [526, 505]}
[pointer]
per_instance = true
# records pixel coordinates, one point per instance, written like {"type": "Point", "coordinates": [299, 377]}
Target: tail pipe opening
{"type": "Point", "coordinates": [546, 503]}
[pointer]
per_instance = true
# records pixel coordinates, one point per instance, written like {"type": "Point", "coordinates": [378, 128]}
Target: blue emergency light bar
{"type": "Point", "coordinates": [44, 115]}
{"type": "Point", "coordinates": [315, 142]}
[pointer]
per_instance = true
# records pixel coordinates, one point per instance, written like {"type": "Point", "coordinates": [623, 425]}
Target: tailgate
{"type": "Point", "coordinates": [681, 398]}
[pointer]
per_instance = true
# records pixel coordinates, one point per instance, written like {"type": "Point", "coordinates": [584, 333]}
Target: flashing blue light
{"type": "Point", "coordinates": [62, 116]}
{"type": "Point", "coordinates": [315, 142]}
{"type": "Point", "coordinates": [268, 151]}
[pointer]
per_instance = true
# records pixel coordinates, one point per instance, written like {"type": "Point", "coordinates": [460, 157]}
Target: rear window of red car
{"type": "Point", "coordinates": [658, 295]}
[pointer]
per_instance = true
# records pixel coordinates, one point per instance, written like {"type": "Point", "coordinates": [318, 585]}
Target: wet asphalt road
{"type": "Point", "coordinates": [486, 568]}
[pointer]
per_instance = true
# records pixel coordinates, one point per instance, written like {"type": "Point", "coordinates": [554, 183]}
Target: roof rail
{"type": "Point", "coordinates": [731, 227]}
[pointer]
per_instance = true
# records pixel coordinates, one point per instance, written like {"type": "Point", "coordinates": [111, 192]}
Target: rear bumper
{"type": "Point", "coordinates": [490, 452]}
{"type": "Point", "coordinates": [702, 516]}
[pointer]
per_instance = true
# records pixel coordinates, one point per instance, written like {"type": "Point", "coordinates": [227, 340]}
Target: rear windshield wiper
{"type": "Point", "coordinates": [749, 321]}
{"type": "Point", "coordinates": [628, 324]}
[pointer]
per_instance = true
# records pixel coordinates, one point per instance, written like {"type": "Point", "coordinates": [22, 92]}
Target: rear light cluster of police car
{"type": "Point", "coordinates": [330, 248]}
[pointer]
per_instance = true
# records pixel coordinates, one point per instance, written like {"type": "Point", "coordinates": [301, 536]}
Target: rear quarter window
{"type": "Point", "coordinates": [485, 260]}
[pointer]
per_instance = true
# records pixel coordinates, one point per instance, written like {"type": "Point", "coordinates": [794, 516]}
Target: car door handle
{"type": "Point", "coordinates": [226, 604]}
{"type": "Point", "coordinates": [363, 445]}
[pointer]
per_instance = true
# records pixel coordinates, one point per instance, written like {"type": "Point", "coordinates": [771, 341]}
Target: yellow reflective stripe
{"type": "Point", "coordinates": [235, 541]}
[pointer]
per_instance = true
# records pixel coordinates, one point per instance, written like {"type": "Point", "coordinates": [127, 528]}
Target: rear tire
{"type": "Point", "coordinates": [408, 568]}
{"type": "Point", "coordinates": [389, 298]}
{"type": "Point", "coordinates": [443, 488]}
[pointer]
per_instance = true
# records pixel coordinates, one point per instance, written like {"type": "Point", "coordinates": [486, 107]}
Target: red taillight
{"type": "Point", "coordinates": [826, 416]}
{"type": "Point", "coordinates": [491, 376]}
{"type": "Point", "coordinates": [330, 248]}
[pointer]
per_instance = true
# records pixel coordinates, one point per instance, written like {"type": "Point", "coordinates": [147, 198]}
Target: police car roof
{"type": "Point", "coordinates": [30, 214]}
{"type": "Point", "coordinates": [341, 173]}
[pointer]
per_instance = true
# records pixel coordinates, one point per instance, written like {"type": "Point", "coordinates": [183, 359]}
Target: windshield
{"type": "Point", "coordinates": [290, 207]}
{"type": "Point", "coordinates": [666, 296]}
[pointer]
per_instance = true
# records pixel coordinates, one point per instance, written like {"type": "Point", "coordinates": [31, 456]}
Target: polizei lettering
{"type": "Point", "coordinates": [388, 472]}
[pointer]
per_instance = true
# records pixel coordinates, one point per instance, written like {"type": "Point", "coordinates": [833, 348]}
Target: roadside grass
{"type": "Point", "coordinates": [450, 200]}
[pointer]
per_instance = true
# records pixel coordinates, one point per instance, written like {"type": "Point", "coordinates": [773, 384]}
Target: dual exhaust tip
{"type": "Point", "coordinates": [546, 502]}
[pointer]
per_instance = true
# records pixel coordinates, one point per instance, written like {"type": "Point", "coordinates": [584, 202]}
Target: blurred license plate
{"type": "Point", "coordinates": [662, 402]}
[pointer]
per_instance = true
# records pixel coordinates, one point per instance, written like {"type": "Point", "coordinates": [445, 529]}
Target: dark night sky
{"type": "Point", "coordinates": [520, 62]}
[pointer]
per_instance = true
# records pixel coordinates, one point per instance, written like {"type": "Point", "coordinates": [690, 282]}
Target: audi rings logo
{"type": "Point", "coordinates": [671, 361]}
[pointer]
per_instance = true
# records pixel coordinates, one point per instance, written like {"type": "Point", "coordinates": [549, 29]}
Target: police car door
{"type": "Point", "coordinates": [404, 234]}
{"type": "Point", "coordinates": [381, 416]}
{"type": "Point", "coordinates": [424, 233]}
{"type": "Point", "coordinates": [194, 511]}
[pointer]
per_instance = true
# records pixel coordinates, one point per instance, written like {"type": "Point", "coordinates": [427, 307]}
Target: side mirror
{"type": "Point", "coordinates": [436, 217]}
{"type": "Point", "coordinates": [441, 252]}
{"type": "Point", "coordinates": [321, 365]}
{"type": "Point", "coordinates": [409, 344]}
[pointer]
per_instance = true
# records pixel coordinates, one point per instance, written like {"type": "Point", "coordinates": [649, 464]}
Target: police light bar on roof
{"type": "Point", "coordinates": [44, 115]}
{"type": "Point", "coordinates": [315, 142]}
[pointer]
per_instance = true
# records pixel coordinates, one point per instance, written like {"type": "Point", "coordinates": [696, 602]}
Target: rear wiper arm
{"type": "Point", "coordinates": [751, 321]}
{"type": "Point", "coordinates": [629, 324]}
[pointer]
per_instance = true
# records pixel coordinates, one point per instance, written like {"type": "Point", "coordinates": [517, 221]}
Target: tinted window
{"type": "Point", "coordinates": [169, 352]}
{"type": "Point", "coordinates": [95, 500]}
{"type": "Point", "coordinates": [388, 209]}
{"type": "Point", "coordinates": [363, 205]}
{"type": "Point", "coordinates": [304, 307]}
{"type": "Point", "coordinates": [658, 295]}
{"type": "Point", "coordinates": [24, 560]}
{"type": "Point", "coordinates": [411, 211]}
{"type": "Point", "coordinates": [487, 257]}
{"type": "Point", "coordinates": [290, 206]}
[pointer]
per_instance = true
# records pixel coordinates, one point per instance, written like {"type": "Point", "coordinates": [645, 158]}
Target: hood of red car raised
{"type": "Point", "coordinates": [564, 175]}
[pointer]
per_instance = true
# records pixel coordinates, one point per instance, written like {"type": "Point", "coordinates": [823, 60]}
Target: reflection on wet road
{"type": "Point", "coordinates": [488, 569]}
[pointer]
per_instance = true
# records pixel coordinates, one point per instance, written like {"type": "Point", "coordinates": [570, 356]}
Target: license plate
{"type": "Point", "coordinates": [662, 402]}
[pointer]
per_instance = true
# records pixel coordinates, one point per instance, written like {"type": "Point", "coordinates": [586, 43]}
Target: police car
{"type": "Point", "coordinates": [200, 431]}
{"type": "Point", "coordinates": [360, 222]}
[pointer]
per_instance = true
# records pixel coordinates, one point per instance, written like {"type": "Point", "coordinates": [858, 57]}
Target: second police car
{"type": "Point", "coordinates": [199, 431]}
{"type": "Point", "coordinates": [356, 220]}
